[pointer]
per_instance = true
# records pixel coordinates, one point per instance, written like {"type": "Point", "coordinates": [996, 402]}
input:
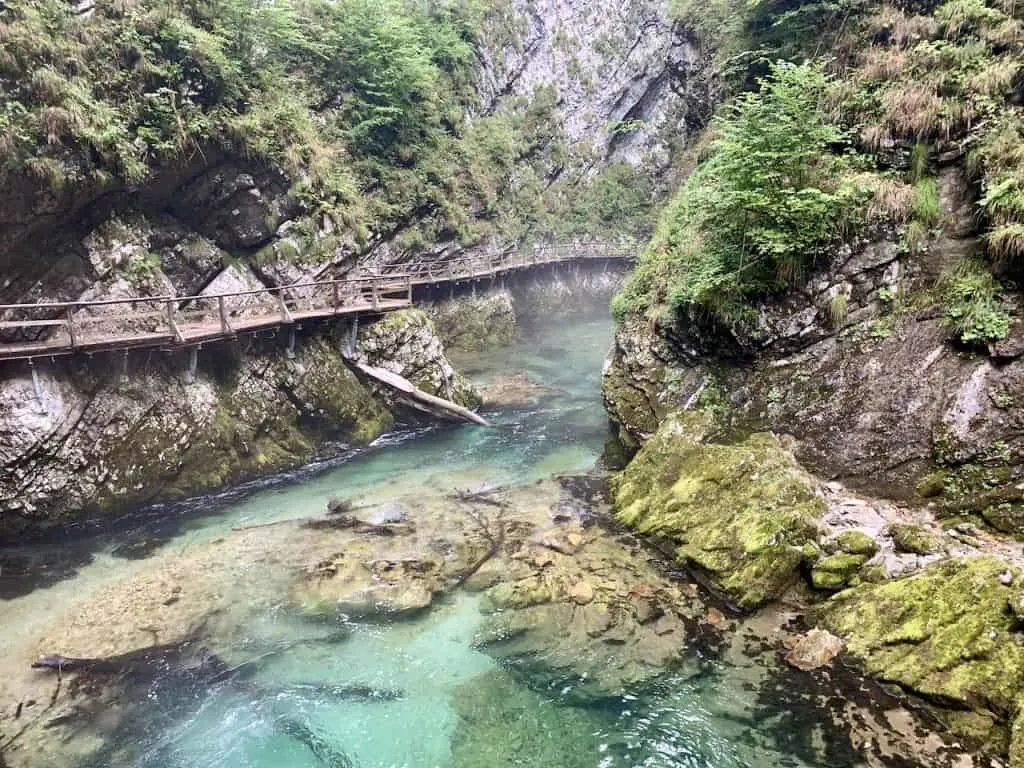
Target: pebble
{"type": "Point", "coordinates": [1006, 578]}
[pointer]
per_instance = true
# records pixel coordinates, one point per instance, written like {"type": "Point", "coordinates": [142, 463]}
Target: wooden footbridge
{"type": "Point", "coordinates": [169, 322]}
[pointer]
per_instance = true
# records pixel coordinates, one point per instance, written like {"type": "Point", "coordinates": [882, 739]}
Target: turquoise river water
{"type": "Point", "coordinates": [458, 706]}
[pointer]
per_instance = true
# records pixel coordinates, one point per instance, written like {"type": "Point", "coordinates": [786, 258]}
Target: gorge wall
{"type": "Point", "coordinates": [105, 433]}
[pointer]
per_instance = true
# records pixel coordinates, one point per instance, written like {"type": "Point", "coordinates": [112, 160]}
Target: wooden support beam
{"type": "Point", "coordinates": [286, 315]}
{"type": "Point", "coordinates": [225, 326]}
{"type": "Point", "coordinates": [70, 316]}
{"type": "Point", "coordinates": [172, 323]}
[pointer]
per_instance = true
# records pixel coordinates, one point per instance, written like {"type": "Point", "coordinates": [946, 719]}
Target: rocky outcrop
{"type": "Point", "coordinates": [950, 634]}
{"type": "Point", "coordinates": [742, 514]}
{"type": "Point", "coordinates": [477, 322]}
{"type": "Point", "coordinates": [876, 395]}
{"type": "Point", "coordinates": [100, 438]}
{"type": "Point", "coordinates": [406, 343]}
{"type": "Point", "coordinates": [628, 80]}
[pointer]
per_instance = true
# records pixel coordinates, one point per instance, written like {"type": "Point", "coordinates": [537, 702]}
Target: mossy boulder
{"type": "Point", "coordinates": [741, 513]}
{"type": "Point", "coordinates": [838, 571]}
{"type": "Point", "coordinates": [948, 633]}
{"type": "Point", "coordinates": [916, 539]}
{"type": "Point", "coordinates": [856, 543]}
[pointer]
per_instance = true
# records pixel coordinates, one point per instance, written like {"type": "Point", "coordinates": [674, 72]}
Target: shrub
{"type": "Point", "coordinates": [970, 294]}
{"type": "Point", "coordinates": [753, 217]}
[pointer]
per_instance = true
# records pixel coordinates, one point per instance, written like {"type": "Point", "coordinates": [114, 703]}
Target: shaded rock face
{"type": "Point", "coordinates": [609, 63]}
{"type": "Point", "coordinates": [878, 397]}
{"type": "Point", "coordinates": [475, 323]}
{"type": "Point", "coordinates": [406, 343]}
{"type": "Point", "coordinates": [96, 443]}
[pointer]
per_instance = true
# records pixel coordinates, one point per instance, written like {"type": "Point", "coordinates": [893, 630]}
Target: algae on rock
{"type": "Point", "coordinates": [741, 513]}
{"type": "Point", "coordinates": [950, 633]}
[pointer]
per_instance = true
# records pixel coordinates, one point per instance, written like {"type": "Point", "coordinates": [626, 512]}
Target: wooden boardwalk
{"type": "Point", "coordinates": [168, 322]}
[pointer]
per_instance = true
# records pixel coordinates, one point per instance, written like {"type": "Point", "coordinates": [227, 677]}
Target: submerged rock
{"type": "Point", "coordinates": [515, 389]}
{"type": "Point", "coordinates": [590, 623]}
{"type": "Point", "coordinates": [949, 634]}
{"type": "Point", "coordinates": [740, 513]}
{"type": "Point", "coordinates": [358, 582]}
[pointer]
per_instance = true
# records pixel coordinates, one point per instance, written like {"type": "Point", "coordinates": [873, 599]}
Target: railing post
{"type": "Point", "coordinates": [374, 293]}
{"type": "Point", "coordinates": [70, 315]}
{"type": "Point", "coordinates": [225, 326]}
{"type": "Point", "coordinates": [286, 315]}
{"type": "Point", "coordinates": [336, 296]}
{"type": "Point", "coordinates": [172, 323]}
{"type": "Point", "coordinates": [408, 287]}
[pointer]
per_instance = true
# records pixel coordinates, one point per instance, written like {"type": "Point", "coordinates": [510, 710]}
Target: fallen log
{"type": "Point", "coordinates": [417, 398]}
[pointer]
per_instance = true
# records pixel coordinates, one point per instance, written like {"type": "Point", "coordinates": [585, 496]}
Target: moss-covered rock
{"type": "Point", "coordinates": [741, 513]}
{"type": "Point", "coordinates": [947, 633]}
{"type": "Point", "coordinates": [856, 543]}
{"type": "Point", "coordinates": [837, 571]}
{"type": "Point", "coordinates": [476, 323]}
{"type": "Point", "coordinates": [916, 539]}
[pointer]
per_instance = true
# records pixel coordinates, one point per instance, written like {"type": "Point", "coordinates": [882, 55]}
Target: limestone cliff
{"type": "Point", "coordinates": [101, 438]}
{"type": "Point", "coordinates": [878, 396]}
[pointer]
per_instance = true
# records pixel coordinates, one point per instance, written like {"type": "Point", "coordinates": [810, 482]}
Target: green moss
{"type": "Point", "coordinates": [931, 484]}
{"type": "Point", "coordinates": [947, 633]}
{"type": "Point", "coordinates": [907, 537]}
{"type": "Point", "coordinates": [742, 513]}
{"type": "Point", "coordinates": [856, 543]}
{"type": "Point", "coordinates": [837, 571]}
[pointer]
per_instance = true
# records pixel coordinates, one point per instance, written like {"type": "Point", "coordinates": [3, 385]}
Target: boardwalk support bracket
{"type": "Point", "coordinates": [289, 351]}
{"type": "Point", "coordinates": [36, 387]}
{"type": "Point", "coordinates": [193, 365]}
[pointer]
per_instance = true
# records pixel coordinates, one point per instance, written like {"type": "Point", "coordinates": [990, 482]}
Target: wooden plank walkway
{"type": "Point", "coordinates": [169, 322]}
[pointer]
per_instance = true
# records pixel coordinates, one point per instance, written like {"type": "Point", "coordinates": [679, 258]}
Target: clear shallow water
{"type": "Point", "coordinates": [457, 706]}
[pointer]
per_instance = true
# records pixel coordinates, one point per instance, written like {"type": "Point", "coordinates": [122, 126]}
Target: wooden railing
{"type": "Point", "coordinates": [57, 328]}
{"type": "Point", "coordinates": [499, 262]}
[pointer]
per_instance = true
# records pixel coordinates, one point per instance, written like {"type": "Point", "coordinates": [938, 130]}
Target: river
{"type": "Point", "coordinates": [417, 691]}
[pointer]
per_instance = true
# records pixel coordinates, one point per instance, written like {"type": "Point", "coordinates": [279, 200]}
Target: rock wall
{"type": "Point", "coordinates": [630, 83]}
{"type": "Point", "coordinates": [99, 440]}
{"type": "Point", "coordinates": [878, 396]}
{"type": "Point", "coordinates": [475, 322]}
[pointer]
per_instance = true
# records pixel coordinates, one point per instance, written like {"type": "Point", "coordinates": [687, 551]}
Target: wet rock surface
{"type": "Point", "coordinates": [95, 441]}
{"type": "Point", "coordinates": [743, 514]}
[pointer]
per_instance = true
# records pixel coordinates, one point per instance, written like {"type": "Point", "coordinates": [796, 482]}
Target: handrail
{"type": "Point", "coordinates": [198, 318]}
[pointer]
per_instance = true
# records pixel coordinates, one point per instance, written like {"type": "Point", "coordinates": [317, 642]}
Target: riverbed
{"type": "Point", "coordinates": [300, 688]}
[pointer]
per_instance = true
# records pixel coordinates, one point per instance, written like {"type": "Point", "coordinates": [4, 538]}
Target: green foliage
{"type": "Point", "coordinates": [837, 309]}
{"type": "Point", "coordinates": [759, 211]}
{"type": "Point", "coordinates": [970, 294]}
{"type": "Point", "coordinates": [361, 103]}
{"type": "Point", "coordinates": [926, 201]}
{"type": "Point", "coordinates": [918, 161]}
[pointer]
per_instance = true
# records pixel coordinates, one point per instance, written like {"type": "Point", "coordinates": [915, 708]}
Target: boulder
{"type": "Point", "coordinates": [740, 513]}
{"type": "Point", "coordinates": [948, 633]}
{"type": "Point", "coordinates": [814, 650]}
